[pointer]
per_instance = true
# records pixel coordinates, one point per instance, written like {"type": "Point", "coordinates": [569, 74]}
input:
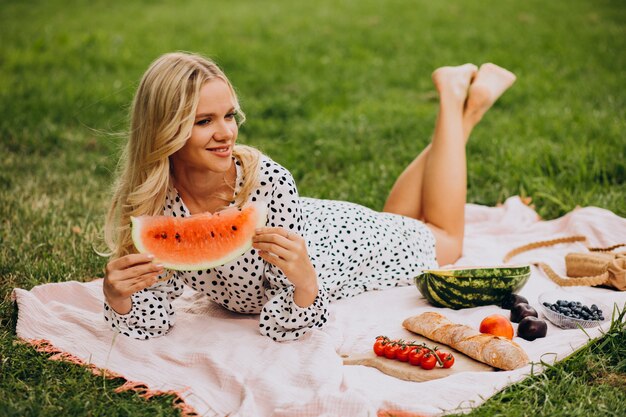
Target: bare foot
{"type": "Point", "coordinates": [453, 83]}
{"type": "Point", "coordinates": [488, 85]}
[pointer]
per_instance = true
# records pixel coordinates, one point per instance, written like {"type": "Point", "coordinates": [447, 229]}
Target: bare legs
{"type": "Point", "coordinates": [433, 187]}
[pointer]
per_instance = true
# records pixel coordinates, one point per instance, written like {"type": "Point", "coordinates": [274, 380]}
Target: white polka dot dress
{"type": "Point", "coordinates": [353, 249]}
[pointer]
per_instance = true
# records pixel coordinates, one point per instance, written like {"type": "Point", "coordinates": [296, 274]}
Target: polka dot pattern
{"type": "Point", "coordinates": [353, 249]}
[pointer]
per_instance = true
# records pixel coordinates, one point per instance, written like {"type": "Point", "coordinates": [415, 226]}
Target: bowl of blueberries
{"type": "Point", "coordinates": [571, 311]}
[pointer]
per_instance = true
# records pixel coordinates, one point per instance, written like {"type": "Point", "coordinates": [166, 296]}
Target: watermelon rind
{"type": "Point", "coordinates": [460, 288]}
{"type": "Point", "coordinates": [136, 224]}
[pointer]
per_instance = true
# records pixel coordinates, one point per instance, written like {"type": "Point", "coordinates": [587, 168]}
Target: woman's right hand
{"type": "Point", "coordinates": [125, 276]}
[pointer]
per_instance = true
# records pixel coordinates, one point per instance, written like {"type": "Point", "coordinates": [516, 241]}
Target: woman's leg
{"type": "Point", "coordinates": [434, 190]}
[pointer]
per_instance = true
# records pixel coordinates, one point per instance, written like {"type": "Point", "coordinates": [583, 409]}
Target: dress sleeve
{"type": "Point", "coordinates": [281, 318]}
{"type": "Point", "coordinates": [151, 314]}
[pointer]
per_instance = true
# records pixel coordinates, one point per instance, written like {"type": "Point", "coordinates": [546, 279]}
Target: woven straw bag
{"type": "Point", "coordinates": [599, 266]}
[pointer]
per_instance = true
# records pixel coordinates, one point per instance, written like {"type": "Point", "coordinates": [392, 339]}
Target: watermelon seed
{"type": "Point", "coordinates": [164, 235]}
{"type": "Point", "coordinates": [234, 228]}
{"type": "Point", "coordinates": [212, 234]}
{"type": "Point", "coordinates": [177, 237]}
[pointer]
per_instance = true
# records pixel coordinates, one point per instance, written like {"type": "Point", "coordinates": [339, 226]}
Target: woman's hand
{"type": "Point", "coordinates": [287, 250]}
{"type": "Point", "coordinates": [125, 276]}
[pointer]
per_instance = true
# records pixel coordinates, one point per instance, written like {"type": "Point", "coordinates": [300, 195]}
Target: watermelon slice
{"type": "Point", "coordinates": [201, 241]}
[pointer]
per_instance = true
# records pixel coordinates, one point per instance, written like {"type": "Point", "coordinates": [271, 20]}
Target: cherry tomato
{"type": "Point", "coordinates": [379, 347]}
{"type": "Point", "coordinates": [415, 356]}
{"type": "Point", "coordinates": [428, 361]}
{"type": "Point", "coordinates": [391, 349]}
{"type": "Point", "coordinates": [446, 358]}
{"type": "Point", "coordinates": [403, 353]}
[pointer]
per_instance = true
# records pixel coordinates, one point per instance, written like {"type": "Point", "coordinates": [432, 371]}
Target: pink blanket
{"type": "Point", "coordinates": [220, 365]}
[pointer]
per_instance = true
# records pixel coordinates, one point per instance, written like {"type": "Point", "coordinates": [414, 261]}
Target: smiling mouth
{"type": "Point", "coordinates": [221, 149]}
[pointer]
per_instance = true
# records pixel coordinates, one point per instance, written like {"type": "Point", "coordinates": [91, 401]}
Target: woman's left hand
{"type": "Point", "coordinates": [287, 250]}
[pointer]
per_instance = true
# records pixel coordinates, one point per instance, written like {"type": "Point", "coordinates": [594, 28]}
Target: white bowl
{"type": "Point", "coordinates": [565, 322]}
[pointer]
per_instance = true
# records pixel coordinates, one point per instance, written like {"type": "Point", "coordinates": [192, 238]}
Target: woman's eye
{"type": "Point", "coordinates": [203, 122]}
{"type": "Point", "coordinates": [231, 115]}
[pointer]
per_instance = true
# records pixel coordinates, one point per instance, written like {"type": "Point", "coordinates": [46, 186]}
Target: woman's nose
{"type": "Point", "coordinates": [223, 132]}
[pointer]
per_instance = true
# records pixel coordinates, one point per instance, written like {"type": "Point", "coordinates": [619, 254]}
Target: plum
{"type": "Point", "coordinates": [521, 310]}
{"type": "Point", "coordinates": [511, 300]}
{"type": "Point", "coordinates": [531, 328]}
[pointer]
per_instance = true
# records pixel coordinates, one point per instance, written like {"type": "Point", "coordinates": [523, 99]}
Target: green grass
{"type": "Point", "coordinates": [343, 87]}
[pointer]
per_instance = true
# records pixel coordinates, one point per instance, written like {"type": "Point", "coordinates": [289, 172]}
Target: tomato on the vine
{"type": "Point", "coordinates": [379, 346]}
{"type": "Point", "coordinates": [415, 355]}
{"type": "Point", "coordinates": [403, 353]}
{"type": "Point", "coordinates": [446, 358]}
{"type": "Point", "coordinates": [391, 349]}
{"type": "Point", "coordinates": [428, 361]}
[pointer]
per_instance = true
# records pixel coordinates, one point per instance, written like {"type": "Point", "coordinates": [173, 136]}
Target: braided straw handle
{"type": "Point", "coordinates": [572, 282]}
{"type": "Point", "coordinates": [590, 281]}
{"type": "Point", "coordinates": [541, 244]}
{"type": "Point", "coordinates": [609, 249]}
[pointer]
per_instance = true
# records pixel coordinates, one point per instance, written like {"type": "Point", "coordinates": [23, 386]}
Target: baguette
{"type": "Point", "coordinates": [496, 351]}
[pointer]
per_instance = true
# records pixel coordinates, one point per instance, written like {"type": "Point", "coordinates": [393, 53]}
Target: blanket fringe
{"type": "Point", "coordinates": [44, 346]}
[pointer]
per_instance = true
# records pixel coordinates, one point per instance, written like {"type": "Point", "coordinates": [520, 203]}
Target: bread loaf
{"type": "Point", "coordinates": [496, 351]}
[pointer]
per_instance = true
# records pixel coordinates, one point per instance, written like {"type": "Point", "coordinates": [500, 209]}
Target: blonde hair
{"type": "Point", "coordinates": [162, 117]}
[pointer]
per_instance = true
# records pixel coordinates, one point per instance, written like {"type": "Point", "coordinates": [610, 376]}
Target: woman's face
{"type": "Point", "coordinates": [214, 132]}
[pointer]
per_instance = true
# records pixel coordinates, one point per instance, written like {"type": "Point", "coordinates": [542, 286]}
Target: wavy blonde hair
{"type": "Point", "coordinates": [162, 117]}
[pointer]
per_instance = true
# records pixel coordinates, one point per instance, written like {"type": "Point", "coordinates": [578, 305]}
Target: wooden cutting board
{"type": "Point", "coordinates": [408, 372]}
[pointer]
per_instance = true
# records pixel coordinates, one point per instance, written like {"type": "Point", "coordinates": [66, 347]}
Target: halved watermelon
{"type": "Point", "coordinates": [201, 241]}
{"type": "Point", "coordinates": [471, 286]}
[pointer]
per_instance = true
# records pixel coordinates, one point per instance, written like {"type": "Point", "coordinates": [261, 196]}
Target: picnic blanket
{"type": "Point", "coordinates": [219, 364]}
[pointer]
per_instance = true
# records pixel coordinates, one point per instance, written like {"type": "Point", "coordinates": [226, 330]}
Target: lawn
{"type": "Point", "coordinates": [339, 92]}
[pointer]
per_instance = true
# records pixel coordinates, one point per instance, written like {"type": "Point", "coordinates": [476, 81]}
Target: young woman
{"type": "Point", "coordinates": [182, 159]}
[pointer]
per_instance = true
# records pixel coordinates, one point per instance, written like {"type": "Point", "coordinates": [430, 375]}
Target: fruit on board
{"type": "Point", "coordinates": [201, 241]}
{"type": "Point", "coordinates": [447, 360]}
{"type": "Point", "coordinates": [471, 286]}
{"type": "Point", "coordinates": [522, 310]}
{"type": "Point", "coordinates": [416, 355]}
{"type": "Point", "coordinates": [497, 325]}
{"type": "Point", "coordinates": [511, 300]}
{"type": "Point", "coordinates": [429, 361]}
{"type": "Point", "coordinates": [403, 353]}
{"type": "Point", "coordinates": [379, 346]}
{"type": "Point", "coordinates": [391, 350]}
{"type": "Point", "coordinates": [531, 328]}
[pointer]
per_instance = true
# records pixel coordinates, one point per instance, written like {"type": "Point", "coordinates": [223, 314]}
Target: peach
{"type": "Point", "coordinates": [497, 325]}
